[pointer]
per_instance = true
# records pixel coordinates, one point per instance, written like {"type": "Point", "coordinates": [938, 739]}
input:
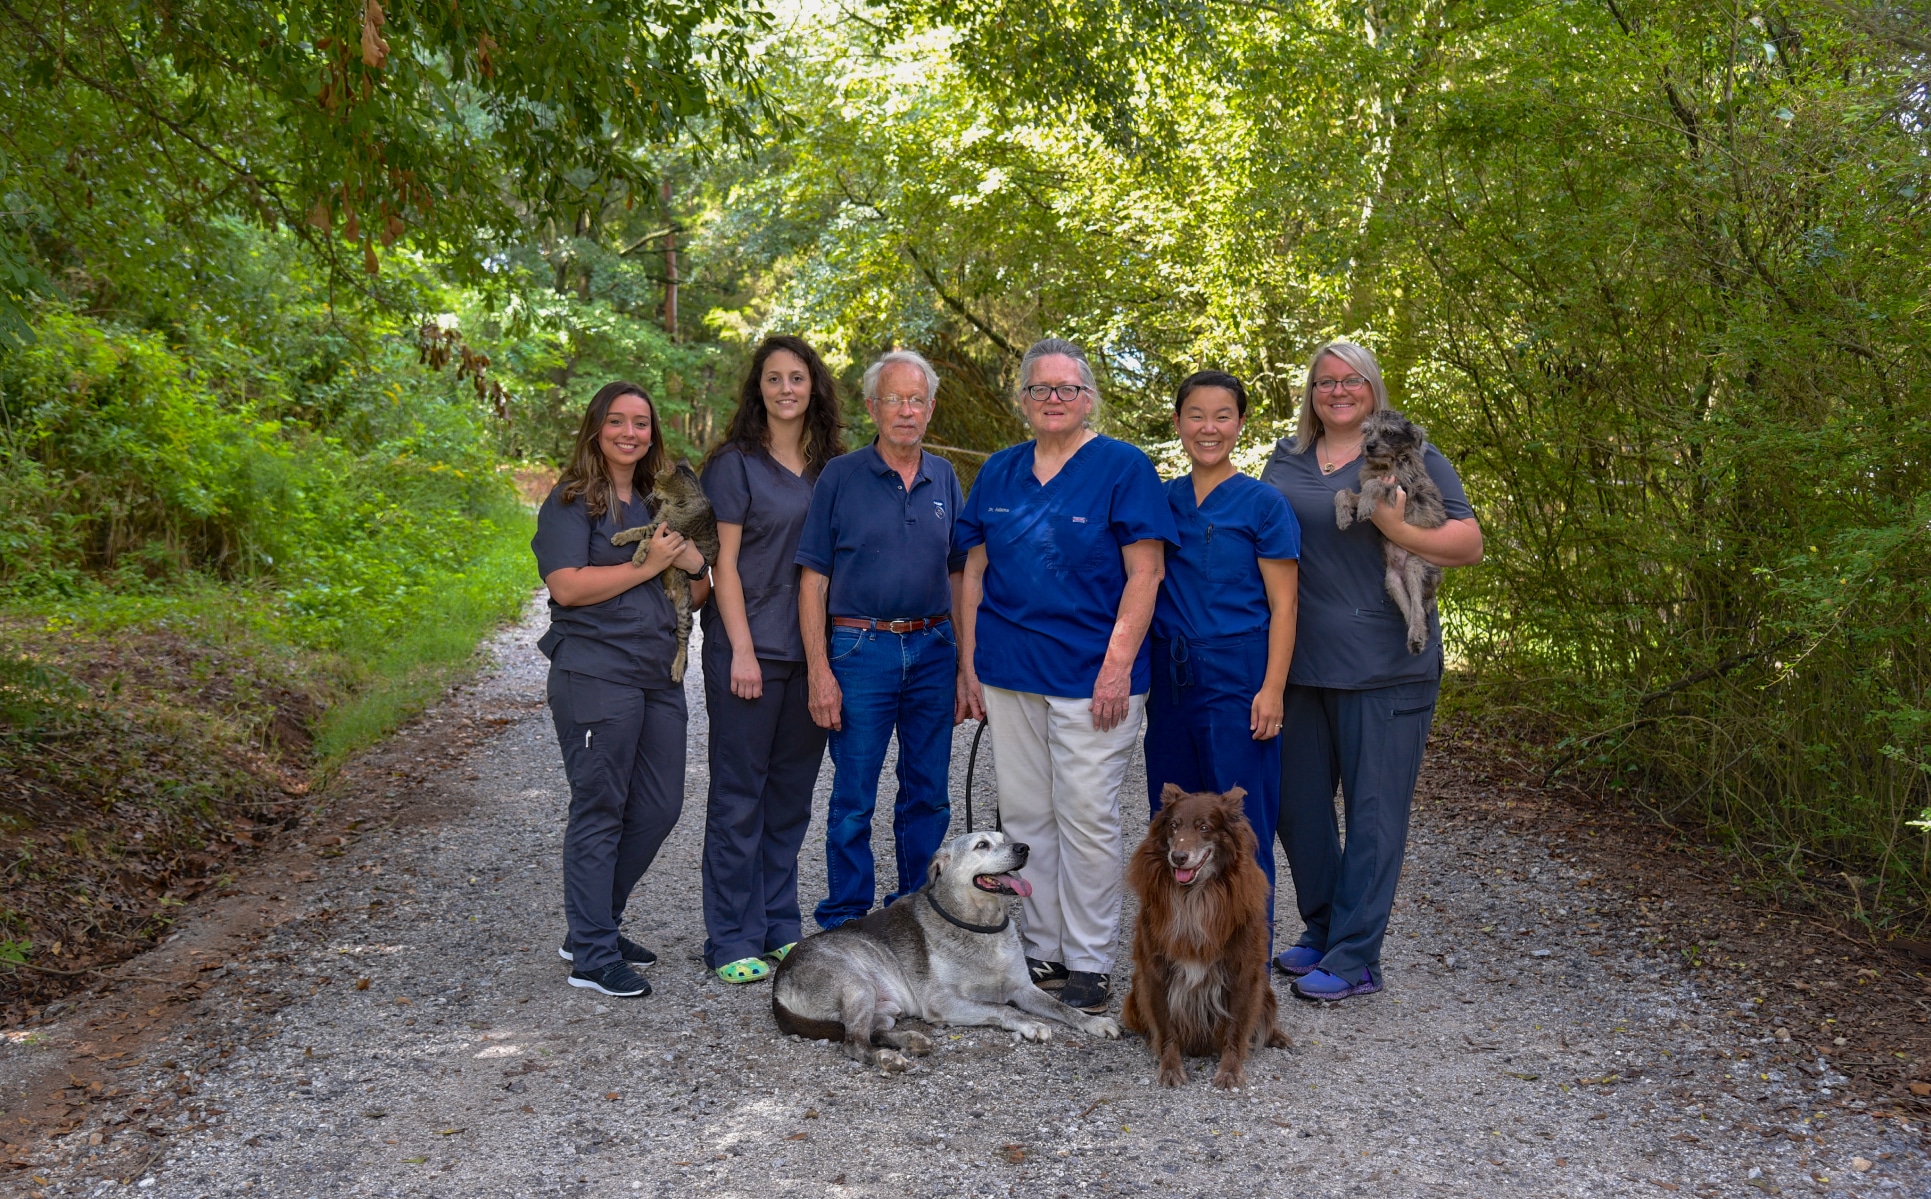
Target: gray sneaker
{"type": "Point", "coordinates": [1087, 991]}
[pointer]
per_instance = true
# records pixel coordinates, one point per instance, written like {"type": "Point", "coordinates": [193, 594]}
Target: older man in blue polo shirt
{"type": "Point", "coordinates": [880, 574]}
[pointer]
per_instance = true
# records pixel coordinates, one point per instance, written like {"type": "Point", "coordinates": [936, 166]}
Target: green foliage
{"type": "Point", "coordinates": [404, 663]}
{"type": "Point", "coordinates": [356, 125]}
{"type": "Point", "coordinates": [1652, 275]}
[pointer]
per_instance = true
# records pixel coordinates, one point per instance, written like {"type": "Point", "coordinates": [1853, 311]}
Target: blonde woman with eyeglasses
{"type": "Point", "coordinates": [1065, 539]}
{"type": "Point", "coordinates": [1358, 704]}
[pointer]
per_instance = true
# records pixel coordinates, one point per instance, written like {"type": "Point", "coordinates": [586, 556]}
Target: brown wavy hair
{"type": "Point", "coordinates": [750, 427]}
{"type": "Point", "coordinates": [588, 475]}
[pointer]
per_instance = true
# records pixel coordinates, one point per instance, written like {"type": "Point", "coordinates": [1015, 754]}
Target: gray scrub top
{"type": "Point", "coordinates": [1350, 634]}
{"type": "Point", "coordinates": [753, 490]}
{"type": "Point", "coordinates": [629, 638]}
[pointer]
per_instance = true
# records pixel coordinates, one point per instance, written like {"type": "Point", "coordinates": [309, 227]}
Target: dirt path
{"type": "Point", "coordinates": [380, 1011]}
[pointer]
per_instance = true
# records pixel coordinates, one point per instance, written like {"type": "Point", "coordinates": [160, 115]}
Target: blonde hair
{"type": "Point", "coordinates": [1360, 359]}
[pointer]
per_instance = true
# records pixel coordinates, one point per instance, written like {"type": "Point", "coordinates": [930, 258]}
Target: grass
{"type": "Point", "coordinates": [400, 671]}
{"type": "Point", "coordinates": [150, 740]}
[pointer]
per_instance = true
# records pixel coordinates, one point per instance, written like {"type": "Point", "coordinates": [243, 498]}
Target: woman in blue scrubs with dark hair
{"type": "Point", "coordinates": [1223, 627]}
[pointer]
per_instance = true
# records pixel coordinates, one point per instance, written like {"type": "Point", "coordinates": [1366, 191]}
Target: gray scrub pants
{"type": "Point", "coordinates": [1370, 743]}
{"type": "Point", "coordinates": [623, 750]}
{"type": "Point", "coordinates": [765, 754]}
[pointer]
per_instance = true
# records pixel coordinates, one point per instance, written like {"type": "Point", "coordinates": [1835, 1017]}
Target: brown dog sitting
{"type": "Point", "coordinates": [1200, 946]}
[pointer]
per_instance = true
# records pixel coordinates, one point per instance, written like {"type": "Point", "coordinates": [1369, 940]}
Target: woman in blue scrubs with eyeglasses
{"type": "Point", "coordinates": [1223, 626]}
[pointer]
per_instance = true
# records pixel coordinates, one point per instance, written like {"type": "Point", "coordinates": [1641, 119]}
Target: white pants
{"type": "Point", "coordinates": [1059, 792]}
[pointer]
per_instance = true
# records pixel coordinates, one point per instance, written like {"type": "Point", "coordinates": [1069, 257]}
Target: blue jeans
{"type": "Point", "coordinates": [902, 681]}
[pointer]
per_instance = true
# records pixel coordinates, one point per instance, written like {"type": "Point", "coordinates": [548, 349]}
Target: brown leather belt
{"type": "Point", "coordinates": [889, 626]}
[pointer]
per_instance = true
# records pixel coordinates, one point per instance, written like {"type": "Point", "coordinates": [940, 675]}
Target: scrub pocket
{"type": "Point", "coordinates": [1412, 699]}
{"type": "Point", "coordinates": [1078, 542]}
{"type": "Point", "coordinates": [1230, 557]}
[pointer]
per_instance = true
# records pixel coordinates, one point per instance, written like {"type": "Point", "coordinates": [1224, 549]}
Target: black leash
{"type": "Point", "coordinates": [971, 928]}
{"type": "Point", "coordinates": [972, 764]}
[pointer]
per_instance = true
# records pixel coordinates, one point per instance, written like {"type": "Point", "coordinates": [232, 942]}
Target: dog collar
{"type": "Point", "coordinates": [971, 928]}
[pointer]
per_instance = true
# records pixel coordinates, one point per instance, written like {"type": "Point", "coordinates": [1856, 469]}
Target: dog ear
{"type": "Point", "coordinates": [940, 861]}
{"type": "Point", "coordinates": [1169, 793]}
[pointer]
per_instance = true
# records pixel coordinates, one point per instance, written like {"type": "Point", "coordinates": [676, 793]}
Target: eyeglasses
{"type": "Point", "coordinates": [1353, 383]}
{"type": "Point", "coordinates": [908, 403]}
{"type": "Point", "coordinates": [1039, 393]}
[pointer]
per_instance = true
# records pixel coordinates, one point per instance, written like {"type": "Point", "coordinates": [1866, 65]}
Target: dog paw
{"type": "Point", "coordinates": [1032, 1032]}
{"type": "Point", "coordinates": [1173, 1076]}
{"type": "Point", "coordinates": [1230, 1079]}
{"type": "Point", "coordinates": [891, 1061]}
{"type": "Point", "coordinates": [916, 1044]}
{"type": "Point", "coordinates": [1103, 1027]}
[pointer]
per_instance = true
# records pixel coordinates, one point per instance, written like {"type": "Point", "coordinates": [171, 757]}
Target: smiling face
{"type": "Point", "coordinates": [785, 383]}
{"type": "Point", "coordinates": [1196, 828]}
{"type": "Point", "coordinates": [1209, 424]}
{"type": "Point", "coordinates": [1342, 397]}
{"type": "Point", "coordinates": [629, 427]}
{"type": "Point", "coordinates": [903, 406]}
{"type": "Point", "coordinates": [1065, 409]}
{"type": "Point", "coordinates": [989, 859]}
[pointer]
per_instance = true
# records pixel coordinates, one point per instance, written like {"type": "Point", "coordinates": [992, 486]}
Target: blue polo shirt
{"type": "Point", "coordinates": [886, 548]}
{"type": "Point", "coordinates": [1213, 587]}
{"type": "Point", "coordinates": [1054, 574]}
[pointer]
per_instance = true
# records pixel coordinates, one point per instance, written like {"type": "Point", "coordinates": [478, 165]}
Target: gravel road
{"type": "Point", "coordinates": [404, 1029]}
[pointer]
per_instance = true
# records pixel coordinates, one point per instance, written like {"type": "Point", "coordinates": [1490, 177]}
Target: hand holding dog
{"type": "Point", "coordinates": [1391, 514]}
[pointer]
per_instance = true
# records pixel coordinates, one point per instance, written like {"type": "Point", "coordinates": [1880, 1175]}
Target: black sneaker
{"type": "Point", "coordinates": [616, 979]}
{"type": "Point", "coordinates": [632, 952]}
{"type": "Point", "coordinates": [1047, 976]}
{"type": "Point", "coordinates": [1088, 992]}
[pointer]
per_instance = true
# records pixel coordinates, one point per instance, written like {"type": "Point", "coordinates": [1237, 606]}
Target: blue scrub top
{"type": "Point", "coordinates": [886, 548]}
{"type": "Point", "coordinates": [1054, 573]}
{"type": "Point", "coordinates": [1213, 587]}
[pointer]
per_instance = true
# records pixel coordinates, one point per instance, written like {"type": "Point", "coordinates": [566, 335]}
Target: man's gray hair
{"type": "Point", "coordinates": [869, 388]}
{"type": "Point", "coordinates": [1049, 347]}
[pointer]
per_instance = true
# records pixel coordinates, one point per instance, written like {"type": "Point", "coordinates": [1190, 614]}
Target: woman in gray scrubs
{"type": "Point", "coordinates": [1358, 703]}
{"type": "Point", "coordinates": [765, 748]}
{"type": "Point", "coordinates": [619, 718]}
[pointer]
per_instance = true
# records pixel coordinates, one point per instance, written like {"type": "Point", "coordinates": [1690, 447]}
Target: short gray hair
{"type": "Point", "coordinates": [1361, 360]}
{"type": "Point", "coordinates": [1054, 347]}
{"type": "Point", "coordinates": [869, 388]}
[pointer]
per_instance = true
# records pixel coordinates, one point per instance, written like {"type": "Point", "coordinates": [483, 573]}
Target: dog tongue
{"type": "Point", "coordinates": [1183, 876]}
{"type": "Point", "coordinates": [1020, 886]}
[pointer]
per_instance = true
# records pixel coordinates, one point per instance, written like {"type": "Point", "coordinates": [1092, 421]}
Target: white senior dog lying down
{"type": "Point", "coordinates": [945, 954]}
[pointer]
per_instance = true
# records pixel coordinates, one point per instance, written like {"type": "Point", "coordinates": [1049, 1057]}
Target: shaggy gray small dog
{"type": "Point", "coordinates": [1391, 457]}
{"type": "Point", "coordinates": [678, 501]}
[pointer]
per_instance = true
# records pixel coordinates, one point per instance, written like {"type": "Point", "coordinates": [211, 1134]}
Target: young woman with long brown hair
{"type": "Point", "coordinates": [619, 718]}
{"type": "Point", "coordinates": [765, 748]}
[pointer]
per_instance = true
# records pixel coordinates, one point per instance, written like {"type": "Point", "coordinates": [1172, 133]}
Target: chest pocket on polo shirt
{"type": "Point", "coordinates": [1077, 542]}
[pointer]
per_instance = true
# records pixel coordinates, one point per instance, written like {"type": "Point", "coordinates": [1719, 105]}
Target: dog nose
{"type": "Point", "coordinates": [1176, 857]}
{"type": "Point", "coordinates": [1021, 849]}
